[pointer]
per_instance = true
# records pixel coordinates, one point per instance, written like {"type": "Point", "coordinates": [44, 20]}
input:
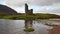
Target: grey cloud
{"type": "Point", "coordinates": [31, 2]}
{"type": "Point", "coordinates": [18, 3]}
{"type": "Point", "coordinates": [56, 11]}
{"type": "Point", "coordinates": [15, 2]}
{"type": "Point", "coordinates": [45, 2]}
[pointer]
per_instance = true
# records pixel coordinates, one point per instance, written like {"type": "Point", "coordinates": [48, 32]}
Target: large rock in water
{"type": "Point", "coordinates": [6, 10]}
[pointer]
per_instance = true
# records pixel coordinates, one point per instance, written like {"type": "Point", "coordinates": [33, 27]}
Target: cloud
{"type": "Point", "coordinates": [18, 3]}
{"type": "Point", "coordinates": [31, 2]}
{"type": "Point", "coordinates": [15, 2]}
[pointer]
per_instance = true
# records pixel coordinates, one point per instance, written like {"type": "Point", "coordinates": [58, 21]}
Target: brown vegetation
{"type": "Point", "coordinates": [55, 30]}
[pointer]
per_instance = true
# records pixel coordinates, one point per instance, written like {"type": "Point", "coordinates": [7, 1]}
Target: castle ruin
{"type": "Point", "coordinates": [27, 11]}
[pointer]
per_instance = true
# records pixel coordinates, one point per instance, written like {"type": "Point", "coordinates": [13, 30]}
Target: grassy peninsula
{"type": "Point", "coordinates": [33, 16]}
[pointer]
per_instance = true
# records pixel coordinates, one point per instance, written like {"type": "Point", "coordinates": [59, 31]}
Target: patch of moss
{"type": "Point", "coordinates": [28, 29]}
{"type": "Point", "coordinates": [51, 24]}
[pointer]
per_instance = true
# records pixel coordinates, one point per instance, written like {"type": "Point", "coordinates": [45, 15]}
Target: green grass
{"type": "Point", "coordinates": [33, 16]}
{"type": "Point", "coordinates": [28, 29]}
{"type": "Point", "coordinates": [50, 24]}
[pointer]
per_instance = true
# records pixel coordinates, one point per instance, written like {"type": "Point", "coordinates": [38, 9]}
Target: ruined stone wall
{"type": "Point", "coordinates": [27, 11]}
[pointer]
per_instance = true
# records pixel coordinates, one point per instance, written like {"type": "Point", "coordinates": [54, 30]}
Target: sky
{"type": "Point", "coordinates": [38, 6]}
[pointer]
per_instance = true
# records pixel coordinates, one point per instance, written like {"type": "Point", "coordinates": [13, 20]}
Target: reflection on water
{"type": "Point", "coordinates": [17, 26]}
{"type": "Point", "coordinates": [28, 23]}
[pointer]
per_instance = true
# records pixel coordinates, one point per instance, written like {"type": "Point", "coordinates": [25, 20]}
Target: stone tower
{"type": "Point", "coordinates": [26, 8]}
{"type": "Point", "coordinates": [27, 11]}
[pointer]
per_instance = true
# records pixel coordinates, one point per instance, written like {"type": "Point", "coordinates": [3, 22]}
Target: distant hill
{"type": "Point", "coordinates": [6, 10]}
